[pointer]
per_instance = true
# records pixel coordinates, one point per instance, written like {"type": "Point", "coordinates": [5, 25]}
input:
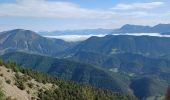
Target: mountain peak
{"type": "Point", "coordinates": [161, 28]}
{"type": "Point", "coordinates": [21, 31]}
{"type": "Point", "coordinates": [127, 26]}
{"type": "Point", "coordinates": [20, 34]}
{"type": "Point", "coordinates": [162, 25]}
{"type": "Point", "coordinates": [26, 40]}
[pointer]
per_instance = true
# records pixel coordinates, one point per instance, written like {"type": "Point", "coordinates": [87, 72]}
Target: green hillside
{"type": "Point", "coordinates": [66, 89]}
{"type": "Point", "coordinates": [145, 45]}
{"type": "Point", "coordinates": [29, 41]}
{"type": "Point", "coordinates": [70, 70]}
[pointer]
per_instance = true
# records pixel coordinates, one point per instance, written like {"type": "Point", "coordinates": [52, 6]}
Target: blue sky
{"type": "Point", "coordinates": [49, 15]}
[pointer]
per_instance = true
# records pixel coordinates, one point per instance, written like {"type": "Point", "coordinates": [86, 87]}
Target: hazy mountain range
{"type": "Point", "coordinates": [160, 28]}
{"type": "Point", "coordinates": [135, 65]}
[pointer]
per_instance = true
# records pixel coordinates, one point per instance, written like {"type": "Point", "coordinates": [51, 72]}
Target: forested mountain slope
{"type": "Point", "coordinates": [29, 41]}
{"type": "Point", "coordinates": [24, 84]}
{"type": "Point", "coordinates": [111, 44]}
{"type": "Point", "coordinates": [70, 70]}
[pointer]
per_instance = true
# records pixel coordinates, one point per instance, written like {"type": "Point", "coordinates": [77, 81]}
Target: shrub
{"type": "Point", "coordinates": [28, 91]}
{"type": "Point", "coordinates": [8, 81]}
{"type": "Point", "coordinates": [21, 86]}
{"type": "Point", "coordinates": [1, 93]}
{"type": "Point", "coordinates": [8, 70]}
{"type": "Point", "coordinates": [30, 85]}
{"type": "Point", "coordinates": [1, 74]}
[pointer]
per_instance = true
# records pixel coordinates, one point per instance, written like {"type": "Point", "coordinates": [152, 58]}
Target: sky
{"type": "Point", "coordinates": [50, 15]}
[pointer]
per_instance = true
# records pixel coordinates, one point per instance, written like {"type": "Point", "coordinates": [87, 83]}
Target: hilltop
{"type": "Point", "coordinates": [29, 41]}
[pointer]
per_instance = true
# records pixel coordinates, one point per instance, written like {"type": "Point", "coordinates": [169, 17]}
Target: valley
{"type": "Point", "coordinates": [128, 64]}
{"type": "Point", "coordinates": [84, 49]}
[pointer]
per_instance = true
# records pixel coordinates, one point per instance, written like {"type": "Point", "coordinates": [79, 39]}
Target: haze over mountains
{"type": "Point", "coordinates": [84, 50]}
{"type": "Point", "coordinates": [135, 65]}
{"type": "Point", "coordinates": [161, 30]}
{"type": "Point", "coordinates": [128, 28]}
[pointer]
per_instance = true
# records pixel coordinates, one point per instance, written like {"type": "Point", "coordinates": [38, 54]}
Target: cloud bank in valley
{"type": "Point", "coordinates": [76, 38]}
{"type": "Point", "coordinates": [145, 34]}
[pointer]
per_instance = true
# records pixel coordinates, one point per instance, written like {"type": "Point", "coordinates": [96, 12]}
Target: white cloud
{"type": "Point", "coordinates": [58, 9]}
{"type": "Point", "coordinates": [145, 34]}
{"type": "Point", "coordinates": [44, 8]}
{"type": "Point", "coordinates": [150, 5]}
{"type": "Point", "coordinates": [77, 17]}
{"type": "Point", "coordinates": [74, 38]}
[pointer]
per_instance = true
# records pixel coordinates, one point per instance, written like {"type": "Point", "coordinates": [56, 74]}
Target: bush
{"type": "Point", "coordinates": [30, 85]}
{"type": "Point", "coordinates": [19, 81]}
{"type": "Point", "coordinates": [28, 91]}
{"type": "Point", "coordinates": [1, 74]}
{"type": "Point", "coordinates": [1, 63]}
{"type": "Point", "coordinates": [8, 81]}
{"type": "Point", "coordinates": [21, 86]}
{"type": "Point", "coordinates": [1, 93]}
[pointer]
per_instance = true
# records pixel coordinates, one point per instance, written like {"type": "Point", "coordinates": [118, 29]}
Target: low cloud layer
{"type": "Point", "coordinates": [75, 38]}
{"type": "Point", "coordinates": [145, 34]}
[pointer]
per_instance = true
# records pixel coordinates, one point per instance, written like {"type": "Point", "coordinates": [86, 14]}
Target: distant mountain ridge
{"type": "Point", "coordinates": [79, 32]}
{"type": "Point", "coordinates": [160, 28]}
{"type": "Point", "coordinates": [128, 28]}
{"type": "Point", "coordinates": [133, 28]}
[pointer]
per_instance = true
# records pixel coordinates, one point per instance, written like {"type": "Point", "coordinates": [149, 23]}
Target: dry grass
{"type": "Point", "coordinates": [12, 92]}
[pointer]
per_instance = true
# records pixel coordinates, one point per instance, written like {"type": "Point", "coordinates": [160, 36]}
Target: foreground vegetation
{"type": "Point", "coordinates": [1, 94]}
{"type": "Point", "coordinates": [71, 70]}
{"type": "Point", "coordinates": [67, 90]}
{"type": "Point", "coordinates": [152, 81]}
